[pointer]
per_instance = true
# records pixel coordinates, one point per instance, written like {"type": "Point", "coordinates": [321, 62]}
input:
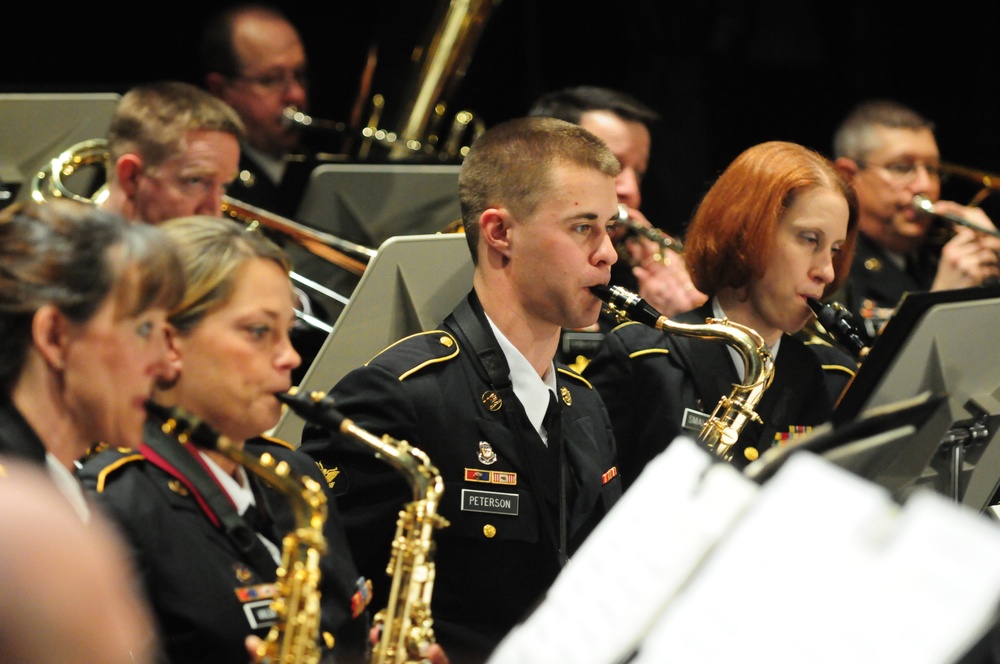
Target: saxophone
{"type": "Point", "coordinates": [405, 626]}
{"type": "Point", "coordinates": [721, 431]}
{"type": "Point", "coordinates": [294, 638]}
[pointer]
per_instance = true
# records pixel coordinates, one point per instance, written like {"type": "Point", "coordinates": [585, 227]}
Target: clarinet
{"type": "Point", "coordinates": [839, 322]}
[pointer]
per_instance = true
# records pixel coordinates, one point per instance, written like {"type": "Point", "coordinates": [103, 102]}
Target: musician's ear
{"type": "Point", "coordinates": [494, 231]}
{"type": "Point", "coordinates": [128, 168]}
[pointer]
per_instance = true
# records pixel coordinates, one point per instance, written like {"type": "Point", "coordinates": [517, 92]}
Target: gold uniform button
{"type": "Point", "coordinates": [873, 264]}
{"type": "Point", "coordinates": [177, 487]}
{"type": "Point", "coordinates": [447, 342]}
{"type": "Point", "coordinates": [751, 453]}
{"type": "Point", "coordinates": [490, 531]}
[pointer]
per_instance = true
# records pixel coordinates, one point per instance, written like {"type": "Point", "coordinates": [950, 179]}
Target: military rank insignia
{"type": "Point", "coordinates": [486, 454]}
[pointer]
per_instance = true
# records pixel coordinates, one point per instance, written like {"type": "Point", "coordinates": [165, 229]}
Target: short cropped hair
{"type": "Point", "coordinates": [855, 137]}
{"type": "Point", "coordinates": [731, 238]}
{"type": "Point", "coordinates": [212, 251]}
{"type": "Point", "coordinates": [152, 120]}
{"type": "Point", "coordinates": [511, 166]}
{"type": "Point", "coordinates": [75, 256]}
{"type": "Point", "coordinates": [570, 104]}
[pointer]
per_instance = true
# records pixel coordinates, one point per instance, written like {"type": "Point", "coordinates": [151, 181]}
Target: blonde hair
{"type": "Point", "coordinates": [212, 250]}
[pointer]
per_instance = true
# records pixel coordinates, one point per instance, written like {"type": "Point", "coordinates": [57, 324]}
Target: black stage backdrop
{"type": "Point", "coordinates": [724, 74]}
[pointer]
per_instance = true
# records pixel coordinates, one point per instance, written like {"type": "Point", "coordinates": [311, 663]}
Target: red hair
{"type": "Point", "coordinates": [731, 237]}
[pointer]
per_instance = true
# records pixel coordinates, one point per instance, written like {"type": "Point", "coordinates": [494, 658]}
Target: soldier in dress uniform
{"type": "Point", "coordinates": [890, 155]}
{"type": "Point", "coordinates": [777, 227]}
{"type": "Point", "coordinates": [207, 535]}
{"type": "Point", "coordinates": [523, 444]}
{"type": "Point", "coordinates": [83, 306]}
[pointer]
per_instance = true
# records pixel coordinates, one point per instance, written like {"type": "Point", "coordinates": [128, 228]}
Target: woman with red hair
{"type": "Point", "coordinates": [776, 228]}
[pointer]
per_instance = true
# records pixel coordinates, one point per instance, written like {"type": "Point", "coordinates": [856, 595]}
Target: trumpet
{"type": "Point", "coordinates": [665, 242]}
{"type": "Point", "coordinates": [925, 205]}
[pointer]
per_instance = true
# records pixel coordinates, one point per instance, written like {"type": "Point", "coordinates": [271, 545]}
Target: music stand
{"type": "Point", "coordinates": [410, 286]}
{"type": "Point", "coordinates": [942, 343]}
{"type": "Point", "coordinates": [369, 203]}
{"type": "Point", "coordinates": [37, 127]}
{"type": "Point", "coordinates": [877, 445]}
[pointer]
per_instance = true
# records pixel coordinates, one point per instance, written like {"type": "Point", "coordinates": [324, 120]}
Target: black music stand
{"type": "Point", "coordinates": [35, 128]}
{"type": "Point", "coordinates": [889, 445]}
{"type": "Point", "coordinates": [942, 344]}
{"type": "Point", "coordinates": [411, 284]}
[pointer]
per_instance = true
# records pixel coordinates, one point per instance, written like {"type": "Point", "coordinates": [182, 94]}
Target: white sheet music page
{"type": "Point", "coordinates": [638, 557]}
{"type": "Point", "coordinates": [825, 567]}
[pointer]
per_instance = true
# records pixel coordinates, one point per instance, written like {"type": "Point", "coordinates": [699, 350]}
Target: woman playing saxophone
{"type": "Point", "coordinates": [208, 535]}
{"type": "Point", "coordinates": [775, 229]}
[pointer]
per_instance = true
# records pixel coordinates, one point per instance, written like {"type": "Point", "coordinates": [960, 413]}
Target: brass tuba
{"type": "Point", "coordinates": [418, 128]}
{"type": "Point", "coordinates": [721, 431]}
{"type": "Point", "coordinates": [406, 627]}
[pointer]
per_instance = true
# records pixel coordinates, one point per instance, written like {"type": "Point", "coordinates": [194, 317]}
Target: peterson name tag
{"type": "Point", "coordinates": [491, 502]}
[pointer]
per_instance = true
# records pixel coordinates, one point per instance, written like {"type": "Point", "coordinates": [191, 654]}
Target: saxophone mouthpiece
{"type": "Point", "coordinates": [840, 323]}
{"type": "Point", "coordinates": [625, 303]}
{"type": "Point", "coordinates": [314, 407]}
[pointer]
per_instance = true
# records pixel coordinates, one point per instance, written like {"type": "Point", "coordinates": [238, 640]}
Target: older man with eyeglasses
{"type": "Point", "coordinates": [890, 154]}
{"type": "Point", "coordinates": [253, 59]}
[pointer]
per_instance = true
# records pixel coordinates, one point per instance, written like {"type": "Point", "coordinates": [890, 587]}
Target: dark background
{"type": "Point", "coordinates": [724, 74]}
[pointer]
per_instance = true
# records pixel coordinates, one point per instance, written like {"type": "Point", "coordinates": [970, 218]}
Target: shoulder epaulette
{"type": "Point", "coordinates": [276, 441]}
{"type": "Point", "coordinates": [572, 374]}
{"type": "Point", "coordinates": [417, 351]}
{"type": "Point", "coordinates": [839, 368]}
{"type": "Point", "coordinates": [116, 465]}
{"type": "Point", "coordinates": [626, 323]}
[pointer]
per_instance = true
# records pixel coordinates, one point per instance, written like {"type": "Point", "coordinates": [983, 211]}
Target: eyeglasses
{"type": "Point", "coordinates": [904, 172]}
{"type": "Point", "coordinates": [277, 81]}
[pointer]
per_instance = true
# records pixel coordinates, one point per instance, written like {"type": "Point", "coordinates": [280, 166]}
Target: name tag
{"type": "Point", "coordinates": [260, 614]}
{"type": "Point", "coordinates": [693, 420]}
{"type": "Point", "coordinates": [256, 601]}
{"type": "Point", "coordinates": [490, 502]}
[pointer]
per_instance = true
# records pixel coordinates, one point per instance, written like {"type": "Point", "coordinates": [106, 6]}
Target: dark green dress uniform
{"type": "Point", "coordinates": [877, 283]}
{"type": "Point", "coordinates": [17, 438]}
{"type": "Point", "coordinates": [448, 393]}
{"type": "Point", "coordinates": [657, 386]}
{"type": "Point", "coordinates": [207, 576]}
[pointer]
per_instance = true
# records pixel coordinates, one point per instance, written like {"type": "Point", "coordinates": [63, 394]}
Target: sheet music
{"type": "Point", "coordinates": [638, 557]}
{"type": "Point", "coordinates": [825, 567]}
